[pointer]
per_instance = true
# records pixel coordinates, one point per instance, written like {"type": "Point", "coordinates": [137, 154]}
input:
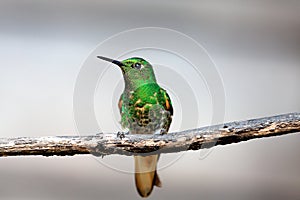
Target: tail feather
{"type": "Point", "coordinates": [145, 174]}
{"type": "Point", "coordinates": [157, 180]}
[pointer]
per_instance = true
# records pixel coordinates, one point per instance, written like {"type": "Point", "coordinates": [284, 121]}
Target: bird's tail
{"type": "Point", "coordinates": [145, 174]}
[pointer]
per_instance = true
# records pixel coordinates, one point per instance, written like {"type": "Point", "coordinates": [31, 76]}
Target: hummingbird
{"type": "Point", "coordinates": [145, 108]}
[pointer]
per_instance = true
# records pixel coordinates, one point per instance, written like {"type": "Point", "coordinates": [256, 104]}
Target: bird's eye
{"type": "Point", "coordinates": [137, 65]}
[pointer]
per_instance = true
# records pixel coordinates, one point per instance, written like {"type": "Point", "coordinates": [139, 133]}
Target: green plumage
{"type": "Point", "coordinates": [146, 108]}
{"type": "Point", "coordinates": [144, 111]}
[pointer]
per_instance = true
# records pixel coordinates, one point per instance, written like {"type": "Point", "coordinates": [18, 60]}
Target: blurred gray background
{"type": "Point", "coordinates": [255, 46]}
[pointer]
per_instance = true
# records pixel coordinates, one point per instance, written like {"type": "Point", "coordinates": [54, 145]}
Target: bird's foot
{"type": "Point", "coordinates": [161, 132]}
{"type": "Point", "coordinates": [121, 135]}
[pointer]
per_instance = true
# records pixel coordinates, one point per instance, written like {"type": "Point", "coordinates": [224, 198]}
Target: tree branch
{"type": "Point", "coordinates": [107, 144]}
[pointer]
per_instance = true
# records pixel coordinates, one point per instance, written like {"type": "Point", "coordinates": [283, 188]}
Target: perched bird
{"type": "Point", "coordinates": [145, 108]}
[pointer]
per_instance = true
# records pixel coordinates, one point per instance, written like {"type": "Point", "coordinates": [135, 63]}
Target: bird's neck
{"type": "Point", "coordinates": [132, 85]}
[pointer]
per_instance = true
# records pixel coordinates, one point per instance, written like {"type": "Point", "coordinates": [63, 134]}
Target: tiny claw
{"type": "Point", "coordinates": [163, 131]}
{"type": "Point", "coordinates": [120, 135]}
{"type": "Point", "coordinates": [160, 132]}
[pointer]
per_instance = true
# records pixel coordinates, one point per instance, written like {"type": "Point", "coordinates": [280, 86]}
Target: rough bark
{"type": "Point", "coordinates": [194, 139]}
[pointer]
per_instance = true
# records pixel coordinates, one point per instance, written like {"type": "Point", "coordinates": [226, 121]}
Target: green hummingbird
{"type": "Point", "coordinates": [145, 108]}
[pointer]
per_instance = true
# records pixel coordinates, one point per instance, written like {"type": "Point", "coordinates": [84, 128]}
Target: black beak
{"type": "Point", "coordinates": [116, 62]}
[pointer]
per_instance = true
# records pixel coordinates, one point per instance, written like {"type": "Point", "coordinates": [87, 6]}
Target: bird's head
{"type": "Point", "coordinates": [136, 71]}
